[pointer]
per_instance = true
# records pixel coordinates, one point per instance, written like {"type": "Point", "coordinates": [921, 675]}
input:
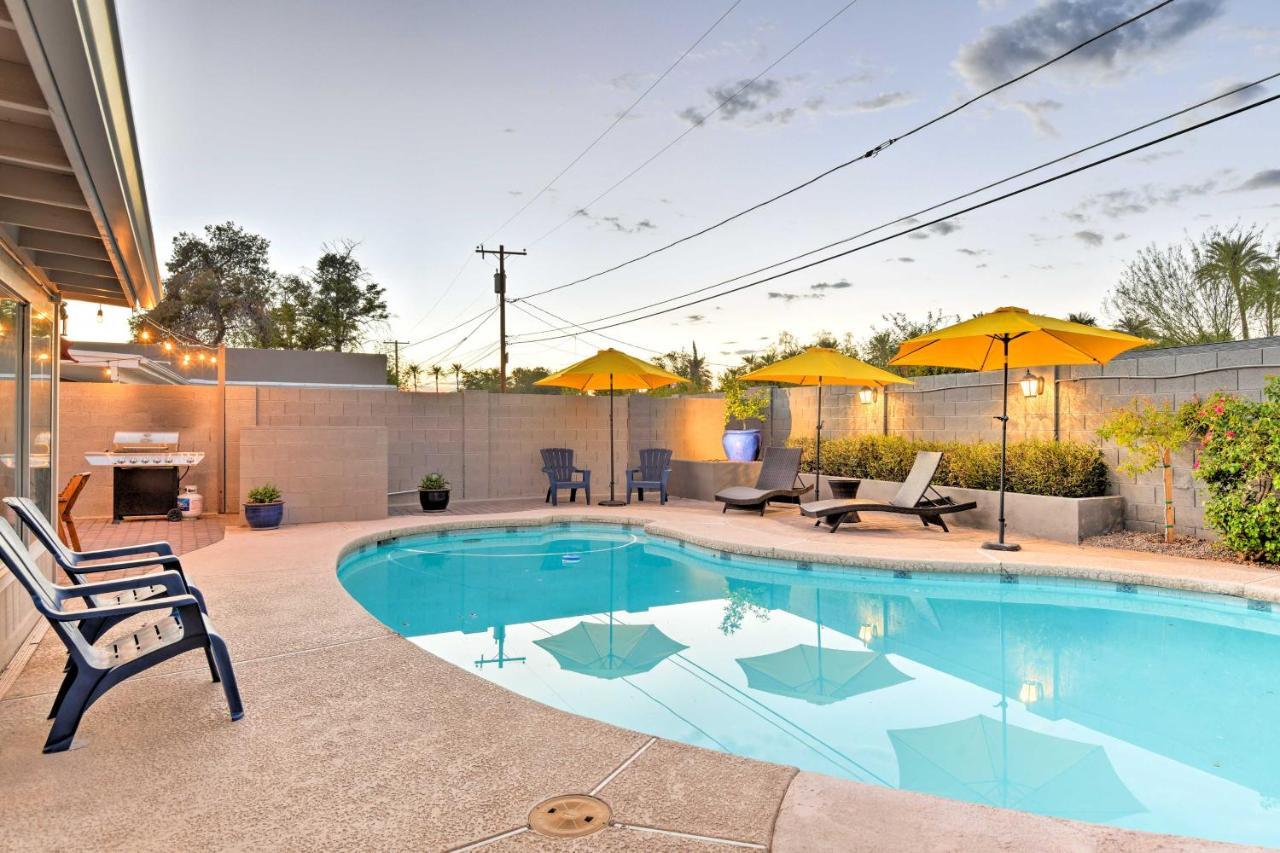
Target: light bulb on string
{"type": "Point", "coordinates": [101, 317]}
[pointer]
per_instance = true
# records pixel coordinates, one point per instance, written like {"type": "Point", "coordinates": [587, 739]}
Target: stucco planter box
{"type": "Point", "coordinates": [701, 479]}
{"type": "Point", "coordinates": [1059, 519]}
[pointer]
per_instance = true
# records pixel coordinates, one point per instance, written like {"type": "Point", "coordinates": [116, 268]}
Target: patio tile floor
{"type": "Point", "coordinates": [354, 737]}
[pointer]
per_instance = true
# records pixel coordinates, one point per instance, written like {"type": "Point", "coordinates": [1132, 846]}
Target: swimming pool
{"type": "Point", "coordinates": [1131, 706]}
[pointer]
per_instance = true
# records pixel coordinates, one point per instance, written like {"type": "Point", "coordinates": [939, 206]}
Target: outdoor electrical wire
{"type": "Point", "coordinates": [932, 207]}
{"type": "Point", "coordinates": [450, 329]}
{"type": "Point", "coordinates": [617, 120]}
{"type": "Point", "coordinates": [866, 155]}
{"type": "Point", "coordinates": [922, 225]}
{"type": "Point", "coordinates": [701, 121]}
{"type": "Point", "coordinates": [450, 350]}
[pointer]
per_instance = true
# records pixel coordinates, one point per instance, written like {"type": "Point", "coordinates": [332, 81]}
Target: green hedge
{"type": "Point", "coordinates": [1065, 469]}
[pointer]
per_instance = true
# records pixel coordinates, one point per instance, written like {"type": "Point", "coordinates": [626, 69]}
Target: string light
{"type": "Point", "coordinates": [145, 335]}
{"type": "Point", "coordinates": [168, 346]}
{"type": "Point", "coordinates": [101, 316]}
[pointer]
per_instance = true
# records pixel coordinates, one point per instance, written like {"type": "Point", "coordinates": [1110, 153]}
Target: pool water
{"type": "Point", "coordinates": [1135, 707]}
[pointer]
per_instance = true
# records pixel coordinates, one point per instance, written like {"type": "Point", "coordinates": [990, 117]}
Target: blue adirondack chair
{"type": "Point", "coordinates": [654, 469]}
{"type": "Point", "coordinates": [94, 670]}
{"type": "Point", "coordinates": [557, 464]}
{"type": "Point", "coordinates": [77, 564]}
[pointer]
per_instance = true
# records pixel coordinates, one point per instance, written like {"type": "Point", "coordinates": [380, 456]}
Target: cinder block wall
{"type": "Point", "coordinates": [690, 426]}
{"type": "Point", "coordinates": [327, 473]}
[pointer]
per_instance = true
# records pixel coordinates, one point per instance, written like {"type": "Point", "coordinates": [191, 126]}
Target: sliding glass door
{"type": "Point", "coordinates": [12, 322]}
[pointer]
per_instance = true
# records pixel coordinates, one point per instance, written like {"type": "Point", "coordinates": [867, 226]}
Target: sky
{"type": "Point", "coordinates": [419, 129]}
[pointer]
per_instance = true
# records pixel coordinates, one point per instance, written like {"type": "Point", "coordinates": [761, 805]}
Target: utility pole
{"type": "Point", "coordinates": [500, 288]}
{"type": "Point", "coordinates": [396, 345]}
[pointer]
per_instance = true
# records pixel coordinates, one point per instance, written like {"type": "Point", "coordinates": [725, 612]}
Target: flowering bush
{"type": "Point", "coordinates": [1239, 462]}
{"type": "Point", "coordinates": [1065, 469]}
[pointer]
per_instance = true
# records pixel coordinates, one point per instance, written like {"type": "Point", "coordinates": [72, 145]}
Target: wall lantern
{"type": "Point", "coordinates": [1032, 385]}
{"type": "Point", "coordinates": [866, 634]}
{"type": "Point", "coordinates": [867, 396]}
{"type": "Point", "coordinates": [1031, 692]}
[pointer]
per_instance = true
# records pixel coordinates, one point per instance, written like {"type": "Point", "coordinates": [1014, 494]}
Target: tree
{"type": "Point", "coordinates": [292, 327]}
{"type": "Point", "coordinates": [436, 370]}
{"type": "Point", "coordinates": [1266, 295]}
{"type": "Point", "coordinates": [1084, 318]}
{"type": "Point", "coordinates": [413, 372]}
{"type": "Point", "coordinates": [883, 344]}
{"type": "Point", "coordinates": [689, 364]}
{"type": "Point", "coordinates": [1235, 258]}
{"type": "Point", "coordinates": [1134, 324]}
{"type": "Point", "coordinates": [1180, 307]}
{"type": "Point", "coordinates": [220, 288]}
{"type": "Point", "coordinates": [1150, 434]}
{"type": "Point", "coordinates": [456, 369]}
{"type": "Point", "coordinates": [344, 301]}
{"type": "Point", "coordinates": [520, 381]}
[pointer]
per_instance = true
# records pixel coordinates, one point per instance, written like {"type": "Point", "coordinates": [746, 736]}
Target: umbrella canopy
{"type": "Point", "coordinates": [981, 760]}
{"type": "Point", "coordinates": [1034, 340]}
{"type": "Point", "coordinates": [610, 650]}
{"type": "Point", "coordinates": [819, 675]}
{"type": "Point", "coordinates": [611, 369]}
{"type": "Point", "coordinates": [824, 366]}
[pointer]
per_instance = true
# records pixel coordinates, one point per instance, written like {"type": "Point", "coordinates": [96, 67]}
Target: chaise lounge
{"type": "Point", "coordinates": [910, 500]}
{"type": "Point", "coordinates": [93, 670]}
{"type": "Point", "coordinates": [777, 482]}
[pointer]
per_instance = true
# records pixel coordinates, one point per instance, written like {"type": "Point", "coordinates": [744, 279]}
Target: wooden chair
{"type": "Point", "coordinates": [66, 502]}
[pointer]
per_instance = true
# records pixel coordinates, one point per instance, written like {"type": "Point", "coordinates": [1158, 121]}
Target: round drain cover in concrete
{"type": "Point", "coordinates": [569, 816]}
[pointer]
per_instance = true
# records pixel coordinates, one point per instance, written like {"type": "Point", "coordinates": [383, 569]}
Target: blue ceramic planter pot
{"type": "Point", "coordinates": [741, 445]}
{"type": "Point", "coordinates": [264, 516]}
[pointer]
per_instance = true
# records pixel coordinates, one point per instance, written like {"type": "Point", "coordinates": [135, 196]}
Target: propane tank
{"type": "Point", "coordinates": [191, 502]}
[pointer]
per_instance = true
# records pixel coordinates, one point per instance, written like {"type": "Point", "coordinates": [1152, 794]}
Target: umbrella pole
{"type": "Point", "coordinates": [817, 450]}
{"type": "Point", "coordinates": [613, 500]}
{"type": "Point", "coordinates": [1003, 418]}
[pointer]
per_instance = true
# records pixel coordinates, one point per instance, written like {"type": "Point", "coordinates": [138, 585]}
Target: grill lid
{"type": "Point", "coordinates": [144, 442]}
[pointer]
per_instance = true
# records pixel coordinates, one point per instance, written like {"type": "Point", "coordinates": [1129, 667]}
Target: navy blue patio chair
{"type": "Point", "coordinates": [76, 564]}
{"type": "Point", "coordinates": [94, 670]}
{"type": "Point", "coordinates": [652, 473]}
{"type": "Point", "coordinates": [557, 464]}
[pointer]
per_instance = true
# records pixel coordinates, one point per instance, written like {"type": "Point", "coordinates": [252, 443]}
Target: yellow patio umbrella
{"type": "Point", "coordinates": [611, 370]}
{"type": "Point", "coordinates": [824, 366]}
{"type": "Point", "coordinates": [1013, 337]}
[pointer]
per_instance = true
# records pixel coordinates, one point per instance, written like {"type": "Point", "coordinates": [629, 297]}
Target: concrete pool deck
{"type": "Point", "coordinates": [354, 737]}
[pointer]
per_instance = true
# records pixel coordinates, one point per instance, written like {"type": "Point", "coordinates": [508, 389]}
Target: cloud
{"type": "Point", "coordinates": [1036, 110]}
{"type": "Point", "coordinates": [696, 318]}
{"type": "Point", "coordinates": [883, 101]}
{"type": "Point", "coordinates": [1156, 155]}
{"type": "Point", "coordinates": [972, 252]}
{"type": "Point", "coordinates": [1264, 180]}
{"type": "Point", "coordinates": [1239, 99]}
{"type": "Point", "coordinates": [508, 130]}
{"type": "Point", "coordinates": [941, 229]}
{"type": "Point", "coordinates": [616, 222]}
{"type": "Point", "coordinates": [1089, 238]}
{"type": "Point", "coordinates": [745, 96]}
{"type": "Point", "coordinates": [1119, 236]}
{"type": "Point", "coordinates": [515, 192]}
{"type": "Point", "coordinates": [902, 260]}
{"type": "Point", "coordinates": [831, 285]}
{"type": "Point", "coordinates": [1006, 50]}
{"type": "Point", "coordinates": [857, 78]}
{"type": "Point", "coordinates": [791, 297]}
{"type": "Point", "coordinates": [1115, 204]}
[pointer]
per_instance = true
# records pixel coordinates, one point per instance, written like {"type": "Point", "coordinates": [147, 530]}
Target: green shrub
{"type": "Point", "coordinates": [1239, 462]}
{"type": "Point", "coordinates": [1057, 468]}
{"type": "Point", "coordinates": [267, 493]}
{"type": "Point", "coordinates": [742, 404]}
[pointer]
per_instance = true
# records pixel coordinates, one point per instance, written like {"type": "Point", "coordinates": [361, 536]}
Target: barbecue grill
{"type": "Point", "coordinates": [145, 473]}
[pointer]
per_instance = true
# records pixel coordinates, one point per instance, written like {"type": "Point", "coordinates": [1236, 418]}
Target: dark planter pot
{"type": "Point", "coordinates": [264, 516]}
{"type": "Point", "coordinates": [433, 500]}
{"type": "Point", "coordinates": [741, 445]}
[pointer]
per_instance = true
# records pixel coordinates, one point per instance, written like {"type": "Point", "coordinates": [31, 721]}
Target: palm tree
{"type": "Point", "coordinates": [436, 370]}
{"type": "Point", "coordinates": [1266, 295]}
{"type": "Point", "coordinates": [1134, 324]}
{"type": "Point", "coordinates": [1236, 258]}
{"type": "Point", "coordinates": [413, 371]}
{"type": "Point", "coordinates": [457, 375]}
{"type": "Point", "coordinates": [1084, 318]}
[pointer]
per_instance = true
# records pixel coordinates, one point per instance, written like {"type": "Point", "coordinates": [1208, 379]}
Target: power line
{"type": "Point", "coordinates": [451, 328]}
{"type": "Point", "coordinates": [922, 225]}
{"type": "Point", "coordinates": [702, 120]}
{"type": "Point", "coordinates": [445, 353]}
{"type": "Point", "coordinates": [617, 120]}
{"type": "Point", "coordinates": [585, 330]}
{"type": "Point", "coordinates": [924, 210]}
{"type": "Point", "coordinates": [866, 155]}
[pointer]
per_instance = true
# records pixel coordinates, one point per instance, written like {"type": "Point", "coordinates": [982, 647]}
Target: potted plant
{"type": "Point", "coordinates": [264, 509]}
{"type": "Point", "coordinates": [433, 493]}
{"type": "Point", "coordinates": [742, 444]}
